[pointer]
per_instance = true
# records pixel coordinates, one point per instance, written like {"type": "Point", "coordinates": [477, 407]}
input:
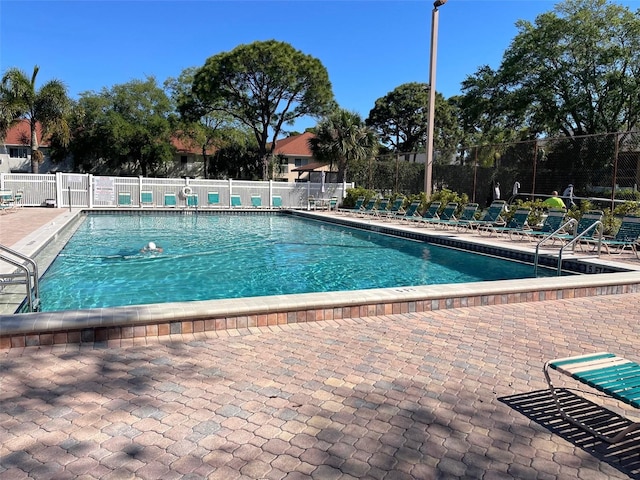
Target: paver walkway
{"type": "Point", "coordinates": [23, 221]}
{"type": "Point", "coordinates": [445, 394]}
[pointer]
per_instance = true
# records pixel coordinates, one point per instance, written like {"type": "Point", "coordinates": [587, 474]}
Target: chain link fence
{"type": "Point", "coordinates": [603, 168]}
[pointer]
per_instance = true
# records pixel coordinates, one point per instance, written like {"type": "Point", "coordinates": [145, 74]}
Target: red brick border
{"type": "Point", "coordinates": [105, 335]}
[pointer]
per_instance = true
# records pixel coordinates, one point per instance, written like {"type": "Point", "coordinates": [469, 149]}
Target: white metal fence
{"type": "Point", "coordinates": [64, 190]}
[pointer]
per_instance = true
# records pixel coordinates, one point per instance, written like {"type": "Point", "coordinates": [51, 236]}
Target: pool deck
{"type": "Point", "coordinates": [451, 392]}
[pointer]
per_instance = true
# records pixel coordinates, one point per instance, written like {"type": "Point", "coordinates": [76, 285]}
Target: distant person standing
{"type": "Point", "coordinates": [496, 192]}
{"type": "Point", "coordinates": [567, 195]}
{"type": "Point", "coordinates": [514, 192]}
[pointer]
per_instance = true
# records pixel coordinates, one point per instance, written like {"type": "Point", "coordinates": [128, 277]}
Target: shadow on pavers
{"type": "Point", "coordinates": [540, 407]}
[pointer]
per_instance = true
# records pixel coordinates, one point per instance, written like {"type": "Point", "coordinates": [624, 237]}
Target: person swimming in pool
{"type": "Point", "coordinates": [151, 247]}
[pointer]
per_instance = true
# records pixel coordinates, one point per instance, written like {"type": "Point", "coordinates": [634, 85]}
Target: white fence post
{"type": "Point", "coordinates": [59, 196]}
{"type": "Point", "coordinates": [140, 191]}
{"type": "Point", "coordinates": [90, 199]}
{"type": "Point", "coordinates": [230, 190]}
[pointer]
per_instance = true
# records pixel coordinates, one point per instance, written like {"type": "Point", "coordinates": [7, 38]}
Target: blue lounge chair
{"type": "Point", "coordinates": [588, 227]}
{"type": "Point", "coordinates": [355, 209]}
{"type": "Point", "coordinates": [256, 201]}
{"type": "Point", "coordinates": [492, 217]}
{"type": "Point", "coordinates": [606, 372]}
{"type": "Point", "coordinates": [410, 213]}
{"type": "Point", "coordinates": [381, 208]}
{"type": "Point", "coordinates": [192, 200]}
{"type": "Point", "coordinates": [430, 212]}
{"type": "Point", "coordinates": [625, 238]}
{"type": "Point", "coordinates": [213, 199]}
{"type": "Point", "coordinates": [444, 218]}
{"type": "Point", "coordinates": [7, 201]}
{"type": "Point", "coordinates": [552, 223]}
{"type": "Point", "coordinates": [146, 198]}
{"type": "Point", "coordinates": [170, 200]}
{"type": "Point", "coordinates": [124, 199]}
{"type": "Point", "coordinates": [396, 208]}
{"type": "Point", "coordinates": [236, 201]}
{"type": "Point", "coordinates": [468, 214]}
{"type": "Point", "coordinates": [276, 201]}
{"type": "Point", "coordinates": [518, 223]}
{"type": "Point", "coordinates": [367, 208]}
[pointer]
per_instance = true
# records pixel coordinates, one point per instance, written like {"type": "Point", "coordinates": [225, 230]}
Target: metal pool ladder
{"type": "Point", "coordinates": [561, 228]}
{"type": "Point", "coordinates": [26, 274]}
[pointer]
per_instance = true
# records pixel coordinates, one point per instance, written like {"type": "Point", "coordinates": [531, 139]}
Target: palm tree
{"type": "Point", "coordinates": [19, 100]}
{"type": "Point", "coordinates": [343, 138]}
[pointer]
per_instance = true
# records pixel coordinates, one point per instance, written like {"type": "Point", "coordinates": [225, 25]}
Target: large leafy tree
{"type": "Point", "coordinates": [47, 105]}
{"type": "Point", "coordinates": [204, 125]}
{"type": "Point", "coordinates": [400, 117]}
{"type": "Point", "coordinates": [124, 129]}
{"type": "Point", "coordinates": [576, 71]}
{"type": "Point", "coordinates": [265, 85]}
{"type": "Point", "coordinates": [343, 138]}
{"type": "Point", "coordinates": [400, 120]}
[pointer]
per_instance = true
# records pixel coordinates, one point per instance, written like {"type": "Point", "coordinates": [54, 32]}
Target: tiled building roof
{"type": "Point", "coordinates": [297, 145]}
{"type": "Point", "coordinates": [185, 146]}
{"type": "Point", "coordinates": [20, 134]}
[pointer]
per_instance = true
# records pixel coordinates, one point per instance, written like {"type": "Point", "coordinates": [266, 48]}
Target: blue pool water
{"type": "Point", "coordinates": [229, 256]}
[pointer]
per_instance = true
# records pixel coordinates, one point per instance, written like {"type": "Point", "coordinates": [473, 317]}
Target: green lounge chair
{"type": "Point", "coordinates": [492, 217]}
{"type": "Point", "coordinates": [552, 223]}
{"type": "Point", "coordinates": [256, 201]}
{"type": "Point", "coordinates": [410, 213]}
{"type": "Point", "coordinates": [609, 374]}
{"type": "Point", "coordinates": [367, 208]}
{"type": "Point", "coordinates": [192, 200]}
{"type": "Point", "coordinates": [17, 198]}
{"type": "Point", "coordinates": [396, 208]}
{"type": "Point", "coordinates": [124, 199]}
{"type": "Point", "coordinates": [146, 198]}
{"type": "Point", "coordinates": [587, 227]}
{"type": "Point", "coordinates": [518, 223]}
{"type": "Point", "coordinates": [7, 201]}
{"type": "Point", "coordinates": [626, 238]}
{"type": "Point", "coordinates": [429, 213]}
{"type": "Point", "coordinates": [236, 201]}
{"type": "Point", "coordinates": [445, 218]}
{"type": "Point", "coordinates": [213, 199]}
{"type": "Point", "coordinates": [381, 208]}
{"type": "Point", "coordinates": [356, 207]}
{"type": "Point", "coordinates": [468, 214]}
{"type": "Point", "coordinates": [170, 200]}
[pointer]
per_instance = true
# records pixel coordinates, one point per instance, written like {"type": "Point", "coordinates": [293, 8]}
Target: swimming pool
{"type": "Point", "coordinates": [212, 256]}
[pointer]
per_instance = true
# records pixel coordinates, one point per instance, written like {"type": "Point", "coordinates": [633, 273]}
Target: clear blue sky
{"type": "Point", "coordinates": [369, 47]}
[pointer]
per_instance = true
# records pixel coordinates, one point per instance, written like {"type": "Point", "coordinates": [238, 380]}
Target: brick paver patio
{"type": "Point", "coordinates": [446, 394]}
{"type": "Point", "coordinates": [455, 393]}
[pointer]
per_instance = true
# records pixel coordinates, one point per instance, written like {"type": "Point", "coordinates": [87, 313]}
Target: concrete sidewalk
{"type": "Point", "coordinates": [445, 394]}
